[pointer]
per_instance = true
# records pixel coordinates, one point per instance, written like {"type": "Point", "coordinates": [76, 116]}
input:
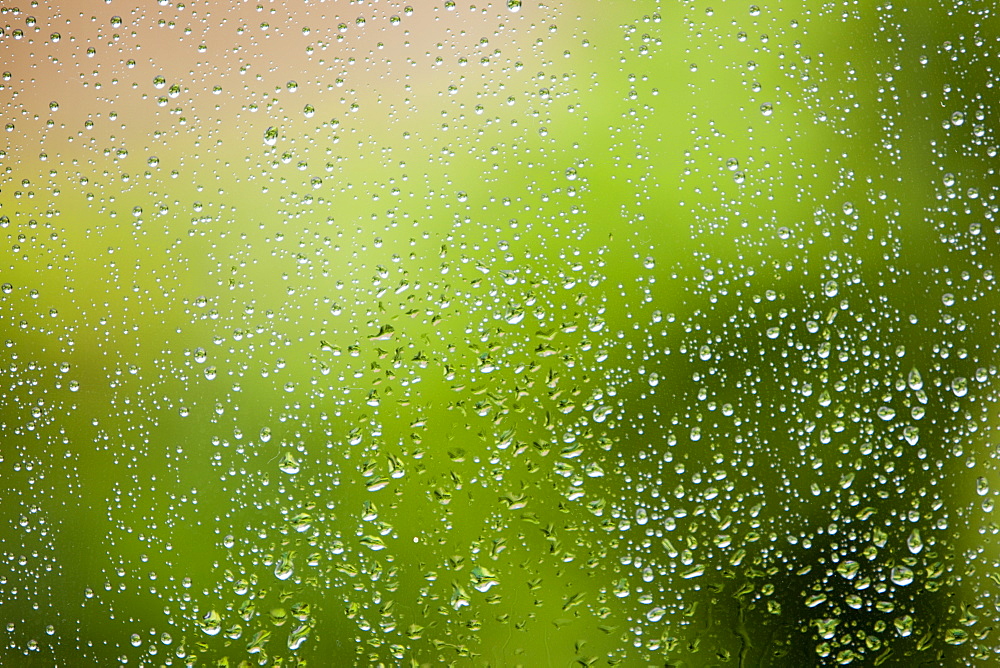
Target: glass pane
{"type": "Point", "coordinates": [506, 333]}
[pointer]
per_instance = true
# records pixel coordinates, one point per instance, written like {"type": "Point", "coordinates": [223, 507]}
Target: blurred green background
{"type": "Point", "coordinates": [592, 333]}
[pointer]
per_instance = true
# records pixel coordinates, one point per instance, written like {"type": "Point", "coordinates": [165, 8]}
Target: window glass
{"type": "Point", "coordinates": [498, 333]}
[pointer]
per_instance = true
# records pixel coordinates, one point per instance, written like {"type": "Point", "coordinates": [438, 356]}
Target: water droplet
{"type": "Point", "coordinates": [459, 597]}
{"type": "Point", "coordinates": [956, 636]}
{"type": "Point", "coordinates": [815, 599]}
{"type": "Point", "coordinates": [886, 413]}
{"type": "Point", "coordinates": [695, 571]}
{"type": "Point", "coordinates": [373, 543]}
{"type": "Point", "coordinates": [289, 464]}
{"type": "Point", "coordinates": [848, 569]}
{"type": "Point", "coordinates": [514, 5]}
{"type": "Point", "coordinates": [211, 623]}
{"type": "Point", "coordinates": [284, 567]}
{"type": "Point", "coordinates": [271, 136]}
{"type": "Point", "coordinates": [901, 575]}
{"type": "Point", "coordinates": [982, 486]}
{"type": "Point", "coordinates": [298, 636]}
{"type": "Point", "coordinates": [483, 580]}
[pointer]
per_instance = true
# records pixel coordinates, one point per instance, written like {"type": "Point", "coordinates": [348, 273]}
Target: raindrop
{"type": "Point", "coordinates": [901, 575]}
{"type": "Point", "coordinates": [848, 569]}
{"type": "Point", "coordinates": [289, 464]}
{"type": "Point", "coordinates": [284, 567]}
{"type": "Point", "coordinates": [886, 413]}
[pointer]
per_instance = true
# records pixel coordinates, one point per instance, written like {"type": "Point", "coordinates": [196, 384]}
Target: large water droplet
{"type": "Point", "coordinates": [289, 464]}
{"type": "Point", "coordinates": [901, 575]}
{"type": "Point", "coordinates": [285, 566]}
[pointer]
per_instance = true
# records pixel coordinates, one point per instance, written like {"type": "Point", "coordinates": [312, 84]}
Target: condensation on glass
{"type": "Point", "coordinates": [496, 334]}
